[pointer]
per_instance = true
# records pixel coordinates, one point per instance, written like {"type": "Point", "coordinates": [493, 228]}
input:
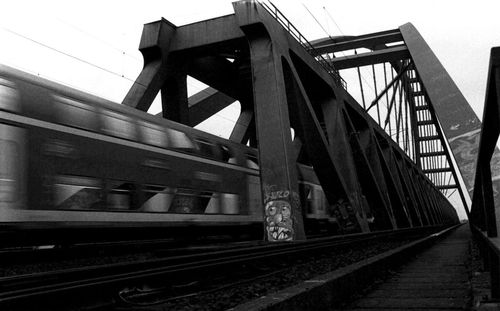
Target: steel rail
{"type": "Point", "coordinates": [18, 288]}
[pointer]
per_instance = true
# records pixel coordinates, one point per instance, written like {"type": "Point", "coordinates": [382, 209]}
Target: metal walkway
{"type": "Point", "coordinates": [437, 279]}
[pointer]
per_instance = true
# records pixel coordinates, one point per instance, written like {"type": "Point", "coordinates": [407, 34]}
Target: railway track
{"type": "Point", "coordinates": [37, 255]}
{"type": "Point", "coordinates": [17, 292]}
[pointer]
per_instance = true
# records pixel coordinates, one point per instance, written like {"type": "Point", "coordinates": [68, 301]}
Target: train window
{"type": "Point", "coordinates": [180, 140]}
{"type": "Point", "coordinates": [60, 148]}
{"type": "Point", "coordinates": [117, 125]}
{"type": "Point", "coordinates": [206, 176]}
{"type": "Point", "coordinates": [153, 135]}
{"type": "Point", "coordinates": [9, 97]}
{"type": "Point", "coordinates": [9, 153]}
{"type": "Point", "coordinates": [227, 154]}
{"type": "Point", "coordinates": [223, 203]}
{"type": "Point", "coordinates": [77, 192]}
{"type": "Point", "coordinates": [157, 198]}
{"type": "Point", "coordinates": [206, 148]}
{"type": "Point", "coordinates": [74, 113]}
{"type": "Point", "coordinates": [322, 202]}
{"type": "Point", "coordinates": [230, 203]}
{"type": "Point", "coordinates": [252, 161]}
{"type": "Point", "coordinates": [119, 195]}
{"type": "Point", "coordinates": [190, 201]}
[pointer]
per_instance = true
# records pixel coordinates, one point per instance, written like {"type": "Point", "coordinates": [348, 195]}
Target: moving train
{"type": "Point", "coordinates": [73, 161]}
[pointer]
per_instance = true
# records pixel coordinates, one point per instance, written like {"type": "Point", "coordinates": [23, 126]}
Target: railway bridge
{"type": "Point", "coordinates": [389, 135]}
{"type": "Point", "coordinates": [383, 163]}
{"type": "Point", "coordinates": [355, 135]}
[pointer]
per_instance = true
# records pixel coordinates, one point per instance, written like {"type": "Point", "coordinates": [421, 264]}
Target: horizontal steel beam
{"type": "Point", "coordinates": [222, 30]}
{"type": "Point", "coordinates": [422, 107]}
{"type": "Point", "coordinates": [367, 41]}
{"type": "Point", "coordinates": [437, 170]}
{"type": "Point", "coordinates": [433, 154]}
{"type": "Point", "coordinates": [425, 122]}
{"type": "Point", "coordinates": [445, 187]}
{"type": "Point", "coordinates": [379, 56]}
{"type": "Point", "coordinates": [425, 138]}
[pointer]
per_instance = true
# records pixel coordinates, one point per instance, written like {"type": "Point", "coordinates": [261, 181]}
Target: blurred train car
{"type": "Point", "coordinates": [76, 166]}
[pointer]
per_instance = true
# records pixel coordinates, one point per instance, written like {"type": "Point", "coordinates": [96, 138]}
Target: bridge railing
{"type": "Point", "coordinates": [484, 218]}
{"type": "Point", "coordinates": [294, 32]}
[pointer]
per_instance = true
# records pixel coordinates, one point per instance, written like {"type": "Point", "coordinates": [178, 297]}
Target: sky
{"type": "Point", "coordinates": [93, 45]}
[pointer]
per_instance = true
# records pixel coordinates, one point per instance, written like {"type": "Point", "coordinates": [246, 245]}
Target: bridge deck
{"type": "Point", "coordinates": [437, 279]}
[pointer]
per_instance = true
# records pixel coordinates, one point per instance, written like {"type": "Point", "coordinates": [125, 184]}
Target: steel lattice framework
{"type": "Point", "coordinates": [384, 158]}
{"type": "Point", "coordinates": [402, 106]}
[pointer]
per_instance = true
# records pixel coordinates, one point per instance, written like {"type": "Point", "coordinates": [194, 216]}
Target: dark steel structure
{"type": "Point", "coordinates": [425, 91]}
{"type": "Point", "coordinates": [383, 164]}
{"type": "Point", "coordinates": [485, 211]}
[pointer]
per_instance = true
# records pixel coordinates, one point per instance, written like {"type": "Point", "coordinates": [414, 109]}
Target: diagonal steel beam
{"type": "Point", "coordinates": [390, 54]}
{"type": "Point", "coordinates": [205, 104]}
{"type": "Point", "coordinates": [242, 128]}
{"type": "Point", "coordinates": [154, 46]}
{"type": "Point", "coordinates": [369, 176]}
{"type": "Point", "coordinates": [381, 94]}
{"type": "Point", "coordinates": [338, 181]}
{"type": "Point", "coordinates": [215, 71]}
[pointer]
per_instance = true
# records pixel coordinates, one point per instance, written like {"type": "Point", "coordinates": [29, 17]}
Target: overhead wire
{"type": "Point", "coordinates": [95, 66]}
{"type": "Point", "coordinates": [68, 55]}
{"type": "Point", "coordinates": [112, 46]}
{"type": "Point", "coordinates": [314, 17]}
{"type": "Point", "coordinates": [331, 18]}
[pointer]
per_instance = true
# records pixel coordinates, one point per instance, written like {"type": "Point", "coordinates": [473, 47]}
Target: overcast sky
{"type": "Point", "coordinates": [107, 33]}
{"type": "Point", "coordinates": [92, 45]}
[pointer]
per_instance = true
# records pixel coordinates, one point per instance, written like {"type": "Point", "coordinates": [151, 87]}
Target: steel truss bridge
{"type": "Point", "coordinates": [387, 133]}
{"type": "Point", "coordinates": [386, 156]}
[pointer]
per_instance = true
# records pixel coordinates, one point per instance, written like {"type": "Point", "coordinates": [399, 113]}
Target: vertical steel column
{"type": "Point", "coordinates": [244, 129]}
{"type": "Point", "coordinates": [485, 206]}
{"type": "Point", "coordinates": [276, 154]}
{"type": "Point", "coordinates": [174, 96]}
{"type": "Point", "coordinates": [361, 84]}
{"type": "Point", "coordinates": [375, 89]}
{"type": "Point", "coordinates": [154, 46]}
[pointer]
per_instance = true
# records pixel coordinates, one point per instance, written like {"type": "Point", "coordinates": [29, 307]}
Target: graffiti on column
{"type": "Point", "coordinates": [279, 223]}
{"type": "Point", "coordinates": [465, 148]}
{"type": "Point", "coordinates": [279, 215]}
{"type": "Point", "coordinates": [346, 216]}
{"type": "Point", "coordinates": [495, 177]}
